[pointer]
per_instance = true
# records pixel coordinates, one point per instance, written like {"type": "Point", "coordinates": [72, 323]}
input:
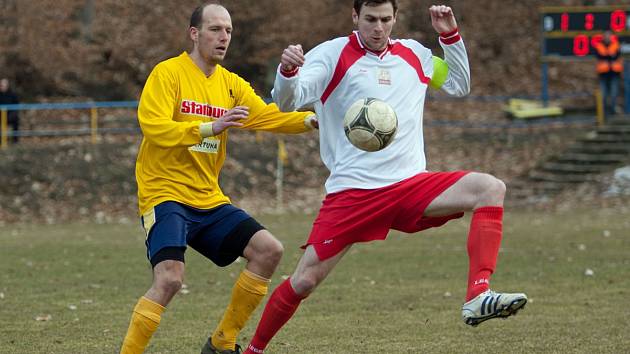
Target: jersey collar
{"type": "Point", "coordinates": [355, 40]}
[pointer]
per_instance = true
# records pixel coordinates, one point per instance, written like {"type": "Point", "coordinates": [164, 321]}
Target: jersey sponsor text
{"type": "Point", "coordinates": [202, 109]}
{"type": "Point", "coordinates": [207, 145]}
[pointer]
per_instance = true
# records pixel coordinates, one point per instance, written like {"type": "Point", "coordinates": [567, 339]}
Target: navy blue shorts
{"type": "Point", "coordinates": [220, 234]}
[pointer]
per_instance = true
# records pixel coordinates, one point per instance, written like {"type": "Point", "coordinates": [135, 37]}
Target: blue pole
{"type": "Point", "coordinates": [626, 86]}
{"type": "Point", "coordinates": [545, 89]}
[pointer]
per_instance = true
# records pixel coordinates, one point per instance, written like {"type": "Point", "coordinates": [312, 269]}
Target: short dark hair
{"type": "Point", "coordinates": [197, 16]}
{"type": "Point", "coordinates": [359, 3]}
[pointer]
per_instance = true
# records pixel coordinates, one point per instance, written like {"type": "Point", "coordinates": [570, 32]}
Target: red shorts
{"type": "Point", "coordinates": [362, 215]}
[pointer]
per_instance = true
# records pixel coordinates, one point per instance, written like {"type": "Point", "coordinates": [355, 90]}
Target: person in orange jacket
{"type": "Point", "coordinates": [609, 68]}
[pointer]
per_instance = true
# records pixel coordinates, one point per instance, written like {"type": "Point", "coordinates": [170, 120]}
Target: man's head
{"type": "Point", "coordinates": [607, 37]}
{"type": "Point", "coordinates": [374, 19]}
{"type": "Point", "coordinates": [4, 84]}
{"type": "Point", "coordinates": [211, 32]}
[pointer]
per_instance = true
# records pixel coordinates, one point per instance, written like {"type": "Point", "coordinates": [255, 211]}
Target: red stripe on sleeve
{"type": "Point", "coordinates": [450, 40]}
{"type": "Point", "coordinates": [449, 34]}
{"type": "Point", "coordinates": [349, 55]}
{"type": "Point", "coordinates": [411, 58]}
{"type": "Point", "coordinates": [290, 73]}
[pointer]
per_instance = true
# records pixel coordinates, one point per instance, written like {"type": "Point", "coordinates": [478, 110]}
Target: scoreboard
{"type": "Point", "coordinates": [573, 32]}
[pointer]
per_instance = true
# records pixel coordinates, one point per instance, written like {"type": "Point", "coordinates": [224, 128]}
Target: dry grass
{"type": "Point", "coordinates": [401, 296]}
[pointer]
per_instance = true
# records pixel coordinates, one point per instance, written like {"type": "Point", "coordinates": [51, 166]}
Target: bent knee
{"type": "Point", "coordinates": [273, 251]}
{"type": "Point", "coordinates": [265, 249]}
{"type": "Point", "coordinates": [496, 187]}
{"type": "Point", "coordinates": [491, 190]}
{"type": "Point", "coordinates": [304, 284]}
{"type": "Point", "coordinates": [169, 284]}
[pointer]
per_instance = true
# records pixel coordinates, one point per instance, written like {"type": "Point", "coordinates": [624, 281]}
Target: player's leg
{"type": "Point", "coordinates": [226, 233]}
{"type": "Point", "coordinates": [165, 227]}
{"type": "Point", "coordinates": [286, 298]}
{"type": "Point", "coordinates": [167, 281]}
{"type": "Point", "coordinates": [263, 253]}
{"type": "Point", "coordinates": [484, 195]}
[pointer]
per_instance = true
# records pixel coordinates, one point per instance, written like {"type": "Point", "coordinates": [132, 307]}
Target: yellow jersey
{"type": "Point", "coordinates": [174, 163]}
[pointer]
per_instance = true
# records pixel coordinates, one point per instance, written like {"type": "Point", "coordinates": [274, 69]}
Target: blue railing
{"type": "Point", "coordinates": [68, 105]}
{"type": "Point", "coordinates": [93, 130]}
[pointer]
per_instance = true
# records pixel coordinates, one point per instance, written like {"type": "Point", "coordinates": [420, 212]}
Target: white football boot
{"type": "Point", "coordinates": [489, 304]}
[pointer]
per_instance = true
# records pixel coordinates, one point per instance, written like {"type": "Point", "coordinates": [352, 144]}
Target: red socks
{"type": "Point", "coordinates": [281, 306]}
{"type": "Point", "coordinates": [484, 240]}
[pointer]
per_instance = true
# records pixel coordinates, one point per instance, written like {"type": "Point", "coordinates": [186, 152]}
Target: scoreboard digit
{"type": "Point", "coordinates": [573, 32]}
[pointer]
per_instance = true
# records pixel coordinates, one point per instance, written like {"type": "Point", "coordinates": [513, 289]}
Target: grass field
{"type": "Point", "coordinates": [403, 295]}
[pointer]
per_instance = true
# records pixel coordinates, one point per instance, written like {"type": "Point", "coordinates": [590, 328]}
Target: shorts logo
{"type": "Point", "coordinates": [327, 242]}
{"type": "Point", "coordinates": [207, 145]}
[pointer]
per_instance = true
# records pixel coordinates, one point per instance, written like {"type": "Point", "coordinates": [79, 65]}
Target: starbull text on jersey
{"type": "Point", "coordinates": [338, 72]}
{"type": "Point", "coordinates": [174, 162]}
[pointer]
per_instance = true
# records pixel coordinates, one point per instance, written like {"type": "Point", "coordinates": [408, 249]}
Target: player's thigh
{"type": "Point", "coordinates": [467, 193]}
{"type": "Point", "coordinates": [225, 234]}
{"type": "Point", "coordinates": [166, 228]}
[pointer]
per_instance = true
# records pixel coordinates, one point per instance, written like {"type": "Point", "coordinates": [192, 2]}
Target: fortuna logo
{"type": "Point", "coordinates": [207, 145]}
{"type": "Point", "coordinates": [481, 281]}
{"type": "Point", "coordinates": [201, 109]}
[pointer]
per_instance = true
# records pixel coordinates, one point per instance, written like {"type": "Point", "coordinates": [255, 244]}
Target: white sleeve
{"type": "Point", "coordinates": [457, 81]}
{"type": "Point", "coordinates": [307, 86]}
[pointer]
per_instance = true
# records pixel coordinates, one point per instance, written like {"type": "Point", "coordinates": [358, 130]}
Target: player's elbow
{"type": "Point", "coordinates": [284, 105]}
{"type": "Point", "coordinates": [464, 91]}
{"type": "Point", "coordinates": [285, 101]}
{"type": "Point", "coordinates": [461, 90]}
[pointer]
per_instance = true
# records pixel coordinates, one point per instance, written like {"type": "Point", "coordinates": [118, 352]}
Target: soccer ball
{"type": "Point", "coordinates": [370, 124]}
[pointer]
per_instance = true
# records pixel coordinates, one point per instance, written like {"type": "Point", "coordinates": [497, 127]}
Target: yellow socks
{"type": "Point", "coordinates": [144, 321]}
{"type": "Point", "coordinates": [247, 293]}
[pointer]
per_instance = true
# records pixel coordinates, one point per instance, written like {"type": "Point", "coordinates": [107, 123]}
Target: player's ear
{"type": "Point", "coordinates": [355, 17]}
{"type": "Point", "coordinates": [194, 33]}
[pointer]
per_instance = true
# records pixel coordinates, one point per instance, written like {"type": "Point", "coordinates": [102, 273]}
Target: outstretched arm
{"type": "Point", "coordinates": [300, 78]}
{"type": "Point", "coordinates": [453, 74]}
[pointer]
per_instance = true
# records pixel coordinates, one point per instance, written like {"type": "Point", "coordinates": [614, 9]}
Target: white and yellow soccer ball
{"type": "Point", "coordinates": [370, 124]}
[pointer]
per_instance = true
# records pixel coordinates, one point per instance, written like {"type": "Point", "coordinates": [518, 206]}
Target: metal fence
{"type": "Point", "coordinates": [95, 118]}
{"type": "Point", "coordinates": [91, 121]}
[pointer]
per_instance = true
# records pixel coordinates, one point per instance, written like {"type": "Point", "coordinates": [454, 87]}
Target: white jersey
{"type": "Point", "coordinates": [338, 72]}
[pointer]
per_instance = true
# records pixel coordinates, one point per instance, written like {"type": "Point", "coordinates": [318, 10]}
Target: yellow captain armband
{"type": "Point", "coordinates": [440, 71]}
{"type": "Point", "coordinates": [205, 129]}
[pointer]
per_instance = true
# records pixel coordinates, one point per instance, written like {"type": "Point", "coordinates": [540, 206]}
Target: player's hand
{"type": "Point", "coordinates": [311, 121]}
{"type": "Point", "coordinates": [442, 18]}
{"type": "Point", "coordinates": [230, 119]}
{"type": "Point", "coordinates": [292, 58]}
